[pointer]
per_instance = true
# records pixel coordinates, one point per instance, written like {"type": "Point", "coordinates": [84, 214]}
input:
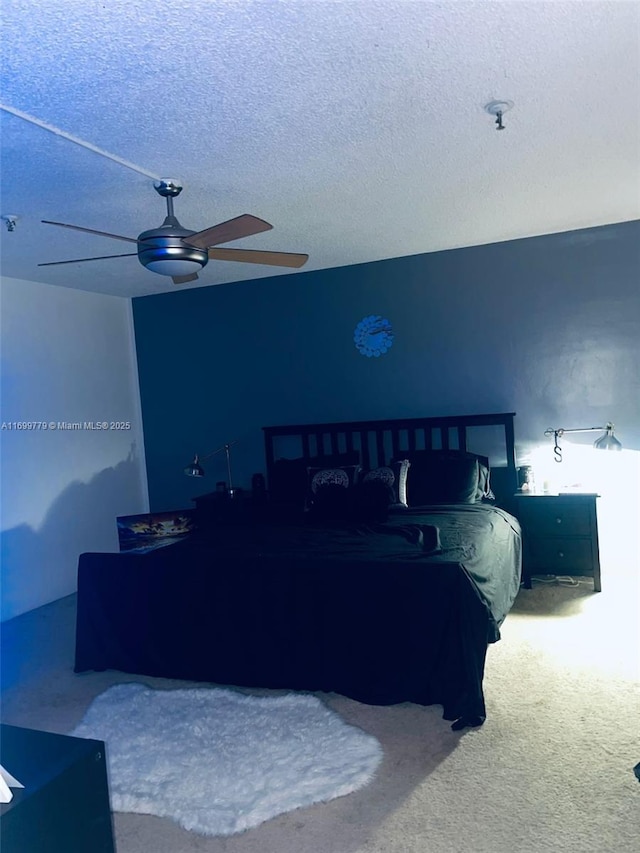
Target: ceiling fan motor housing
{"type": "Point", "coordinates": [163, 251]}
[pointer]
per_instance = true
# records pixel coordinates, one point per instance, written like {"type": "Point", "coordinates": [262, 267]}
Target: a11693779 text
{"type": "Point", "coordinates": [62, 426]}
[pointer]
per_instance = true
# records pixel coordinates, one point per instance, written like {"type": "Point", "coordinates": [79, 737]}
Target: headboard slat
{"type": "Point", "coordinates": [349, 441]}
{"type": "Point", "coordinates": [305, 445]}
{"type": "Point", "coordinates": [380, 460]}
{"type": "Point", "coordinates": [365, 459]}
{"type": "Point", "coordinates": [395, 442]}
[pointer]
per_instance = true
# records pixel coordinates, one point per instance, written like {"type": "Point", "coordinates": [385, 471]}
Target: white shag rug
{"type": "Point", "coordinates": [219, 762]}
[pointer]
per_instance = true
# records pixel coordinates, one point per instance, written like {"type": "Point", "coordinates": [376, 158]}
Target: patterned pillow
{"type": "Point", "coordinates": [384, 475]}
{"type": "Point", "coordinates": [289, 480]}
{"type": "Point", "coordinates": [394, 476]}
{"type": "Point", "coordinates": [328, 476]}
{"type": "Point", "coordinates": [329, 490]}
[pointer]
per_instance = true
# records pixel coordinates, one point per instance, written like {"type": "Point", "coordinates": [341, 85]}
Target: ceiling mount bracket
{"type": "Point", "coordinates": [10, 220]}
{"type": "Point", "coordinates": [168, 187]}
{"type": "Point", "coordinates": [498, 109]}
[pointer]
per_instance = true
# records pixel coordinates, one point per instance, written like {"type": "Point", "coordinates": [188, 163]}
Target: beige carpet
{"type": "Point", "coordinates": [551, 769]}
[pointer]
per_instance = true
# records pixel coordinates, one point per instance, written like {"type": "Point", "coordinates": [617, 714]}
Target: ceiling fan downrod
{"type": "Point", "coordinates": [168, 188]}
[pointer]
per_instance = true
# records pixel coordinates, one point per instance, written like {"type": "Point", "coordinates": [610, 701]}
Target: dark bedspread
{"type": "Point", "coordinates": [377, 612]}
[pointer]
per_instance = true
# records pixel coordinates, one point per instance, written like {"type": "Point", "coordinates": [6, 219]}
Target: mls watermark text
{"type": "Point", "coordinates": [61, 426]}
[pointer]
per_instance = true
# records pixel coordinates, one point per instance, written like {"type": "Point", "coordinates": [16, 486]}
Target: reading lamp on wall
{"type": "Point", "coordinates": [608, 441]}
{"type": "Point", "coordinates": [196, 470]}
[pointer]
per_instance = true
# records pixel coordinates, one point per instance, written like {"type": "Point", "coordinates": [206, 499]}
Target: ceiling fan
{"type": "Point", "coordinates": [177, 252]}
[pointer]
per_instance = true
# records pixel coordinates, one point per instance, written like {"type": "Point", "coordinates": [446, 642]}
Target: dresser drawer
{"type": "Point", "coordinates": [559, 556]}
{"type": "Point", "coordinates": [557, 518]}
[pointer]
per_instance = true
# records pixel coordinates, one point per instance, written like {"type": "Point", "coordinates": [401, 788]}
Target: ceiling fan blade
{"type": "Point", "coordinates": [232, 229]}
{"type": "Point", "coordinates": [183, 279]}
{"type": "Point", "coordinates": [90, 231]}
{"type": "Point", "coordinates": [250, 256]}
{"type": "Point", "coordinates": [82, 260]}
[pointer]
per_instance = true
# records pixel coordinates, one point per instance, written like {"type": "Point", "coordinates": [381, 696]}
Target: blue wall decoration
{"type": "Point", "coordinates": [373, 336]}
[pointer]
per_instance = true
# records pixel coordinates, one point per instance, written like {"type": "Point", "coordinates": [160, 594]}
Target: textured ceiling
{"type": "Point", "coordinates": [356, 128]}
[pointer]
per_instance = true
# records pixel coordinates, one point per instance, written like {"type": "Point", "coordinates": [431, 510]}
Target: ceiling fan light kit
{"type": "Point", "coordinates": [180, 253]}
{"type": "Point", "coordinates": [164, 250]}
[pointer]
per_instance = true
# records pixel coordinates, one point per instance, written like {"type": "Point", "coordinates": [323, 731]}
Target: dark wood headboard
{"type": "Point", "coordinates": [378, 441]}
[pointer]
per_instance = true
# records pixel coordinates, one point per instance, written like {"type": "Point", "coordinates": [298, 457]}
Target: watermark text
{"type": "Point", "coordinates": [61, 426]}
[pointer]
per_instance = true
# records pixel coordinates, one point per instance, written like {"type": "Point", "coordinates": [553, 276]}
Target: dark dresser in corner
{"type": "Point", "coordinates": [64, 805]}
{"type": "Point", "coordinates": [559, 535]}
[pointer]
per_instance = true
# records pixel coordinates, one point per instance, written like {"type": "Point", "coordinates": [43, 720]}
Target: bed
{"type": "Point", "coordinates": [332, 586]}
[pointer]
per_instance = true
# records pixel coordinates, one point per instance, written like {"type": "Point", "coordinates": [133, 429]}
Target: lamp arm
{"type": "Point", "coordinates": [558, 433]}
{"type": "Point", "coordinates": [224, 447]}
{"type": "Point", "coordinates": [561, 431]}
{"type": "Point", "coordinates": [228, 455]}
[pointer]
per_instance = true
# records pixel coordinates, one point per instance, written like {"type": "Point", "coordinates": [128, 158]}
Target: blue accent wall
{"type": "Point", "coordinates": [548, 327]}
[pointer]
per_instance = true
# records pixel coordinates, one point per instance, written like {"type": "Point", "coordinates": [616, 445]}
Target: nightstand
{"type": "Point", "coordinates": [559, 535]}
{"type": "Point", "coordinates": [219, 508]}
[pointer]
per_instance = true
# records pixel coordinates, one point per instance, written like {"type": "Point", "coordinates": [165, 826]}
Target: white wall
{"type": "Point", "coordinates": [67, 356]}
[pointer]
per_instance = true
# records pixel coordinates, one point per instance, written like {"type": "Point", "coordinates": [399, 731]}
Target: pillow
{"type": "Point", "coordinates": [443, 477]}
{"type": "Point", "coordinates": [484, 481]}
{"type": "Point", "coordinates": [371, 499]}
{"type": "Point", "coordinates": [484, 491]}
{"type": "Point", "coordinates": [484, 473]}
{"type": "Point", "coordinates": [394, 476]}
{"type": "Point", "coordinates": [288, 484]}
{"type": "Point", "coordinates": [329, 490]}
{"type": "Point", "coordinates": [331, 502]}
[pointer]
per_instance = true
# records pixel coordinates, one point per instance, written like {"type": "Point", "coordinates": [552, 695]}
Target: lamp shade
{"type": "Point", "coordinates": [608, 441]}
{"type": "Point", "coordinates": [196, 470]}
